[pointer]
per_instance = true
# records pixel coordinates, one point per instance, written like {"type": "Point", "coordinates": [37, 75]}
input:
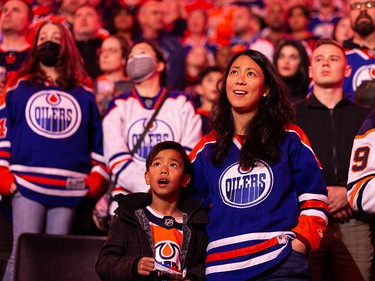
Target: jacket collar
{"type": "Point", "coordinates": [314, 102]}
{"type": "Point", "coordinates": [128, 204]}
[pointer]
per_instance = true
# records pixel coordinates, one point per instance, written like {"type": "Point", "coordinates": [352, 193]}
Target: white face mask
{"type": "Point", "coordinates": [140, 67]}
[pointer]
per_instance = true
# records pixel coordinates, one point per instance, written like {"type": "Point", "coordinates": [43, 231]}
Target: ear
{"type": "Point", "coordinates": [141, 15]}
{"type": "Point", "coordinates": [160, 66]}
{"type": "Point", "coordinates": [266, 92]}
{"type": "Point", "coordinates": [348, 71]}
{"type": "Point", "coordinates": [310, 72]}
{"type": "Point", "coordinates": [186, 180]}
{"type": "Point", "coordinates": [147, 178]}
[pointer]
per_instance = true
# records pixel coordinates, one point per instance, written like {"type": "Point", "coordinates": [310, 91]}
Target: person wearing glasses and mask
{"type": "Point", "coordinates": [360, 50]}
{"type": "Point", "coordinates": [50, 138]}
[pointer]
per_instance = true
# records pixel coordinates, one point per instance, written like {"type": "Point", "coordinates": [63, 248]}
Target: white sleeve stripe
{"type": "Point", "coordinates": [315, 213]}
{"type": "Point", "coordinates": [5, 144]}
{"type": "Point", "coordinates": [4, 163]}
{"type": "Point", "coordinates": [244, 264]}
{"type": "Point", "coordinates": [313, 196]}
{"type": "Point", "coordinates": [48, 171]}
{"type": "Point", "coordinates": [51, 192]}
{"type": "Point", "coordinates": [247, 237]}
{"type": "Point", "coordinates": [101, 171]}
{"type": "Point", "coordinates": [97, 157]}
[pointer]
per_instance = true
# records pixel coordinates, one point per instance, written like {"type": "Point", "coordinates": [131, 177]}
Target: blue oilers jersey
{"type": "Point", "coordinates": [362, 62]}
{"type": "Point", "coordinates": [13, 60]}
{"type": "Point", "coordinates": [322, 26]}
{"type": "Point", "coordinates": [255, 213]}
{"type": "Point", "coordinates": [125, 121]}
{"type": "Point", "coordinates": [51, 139]}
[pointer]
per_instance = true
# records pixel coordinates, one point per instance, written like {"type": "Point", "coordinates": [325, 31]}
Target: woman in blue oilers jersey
{"type": "Point", "coordinates": [51, 140]}
{"type": "Point", "coordinates": [259, 178]}
{"type": "Point", "coordinates": [128, 114]}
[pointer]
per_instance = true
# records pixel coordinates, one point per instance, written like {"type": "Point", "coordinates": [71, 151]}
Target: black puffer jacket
{"type": "Point", "coordinates": [130, 238]}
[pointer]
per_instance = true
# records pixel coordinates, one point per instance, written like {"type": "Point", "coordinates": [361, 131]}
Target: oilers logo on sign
{"type": "Point", "coordinates": [364, 73]}
{"type": "Point", "coordinates": [158, 132]}
{"type": "Point", "coordinates": [241, 188]}
{"type": "Point", "coordinates": [53, 114]}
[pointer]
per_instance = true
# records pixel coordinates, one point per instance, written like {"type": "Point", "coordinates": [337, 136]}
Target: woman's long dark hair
{"type": "Point", "coordinates": [266, 129]}
{"type": "Point", "coordinates": [115, 10]}
{"type": "Point", "coordinates": [70, 65]}
{"type": "Point", "coordinates": [298, 85]}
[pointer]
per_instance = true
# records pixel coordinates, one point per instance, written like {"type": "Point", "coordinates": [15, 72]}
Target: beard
{"type": "Point", "coordinates": [363, 27]}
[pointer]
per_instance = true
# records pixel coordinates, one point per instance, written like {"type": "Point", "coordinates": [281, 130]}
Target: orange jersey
{"type": "Point", "coordinates": [167, 234]}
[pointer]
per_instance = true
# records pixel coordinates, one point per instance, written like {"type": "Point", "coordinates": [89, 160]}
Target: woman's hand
{"type": "Point", "coordinates": [13, 188]}
{"type": "Point", "coordinates": [145, 266]}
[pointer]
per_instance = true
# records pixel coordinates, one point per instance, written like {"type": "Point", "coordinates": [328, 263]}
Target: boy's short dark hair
{"type": "Point", "coordinates": [207, 71]}
{"type": "Point", "coordinates": [169, 145]}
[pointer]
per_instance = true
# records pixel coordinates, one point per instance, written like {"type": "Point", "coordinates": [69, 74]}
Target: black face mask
{"type": "Point", "coordinates": [48, 53]}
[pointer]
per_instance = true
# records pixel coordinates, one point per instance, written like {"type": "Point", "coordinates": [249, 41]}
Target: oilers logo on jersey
{"type": "Point", "coordinates": [241, 188]}
{"type": "Point", "coordinates": [158, 132]}
{"type": "Point", "coordinates": [364, 73]}
{"type": "Point", "coordinates": [167, 253]}
{"type": "Point", "coordinates": [53, 114]}
{"type": "Point", "coordinates": [323, 28]}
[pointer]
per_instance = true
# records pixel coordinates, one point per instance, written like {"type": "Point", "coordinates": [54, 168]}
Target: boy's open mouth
{"type": "Point", "coordinates": [163, 181]}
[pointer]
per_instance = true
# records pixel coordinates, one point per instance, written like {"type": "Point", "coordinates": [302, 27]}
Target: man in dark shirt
{"type": "Point", "coordinates": [150, 17]}
{"type": "Point", "coordinates": [331, 122]}
{"type": "Point", "coordinates": [86, 27]}
{"type": "Point", "coordinates": [15, 21]}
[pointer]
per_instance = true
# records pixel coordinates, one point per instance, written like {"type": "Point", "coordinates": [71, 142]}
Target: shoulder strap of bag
{"type": "Point", "coordinates": [139, 141]}
{"type": "Point", "coordinates": [142, 136]}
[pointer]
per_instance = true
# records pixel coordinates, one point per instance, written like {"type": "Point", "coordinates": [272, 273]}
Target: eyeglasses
{"type": "Point", "coordinates": [358, 5]}
{"type": "Point", "coordinates": [110, 51]}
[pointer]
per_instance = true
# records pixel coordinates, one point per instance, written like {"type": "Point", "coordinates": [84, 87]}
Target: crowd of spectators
{"type": "Point", "coordinates": [197, 39]}
{"type": "Point", "coordinates": [193, 34]}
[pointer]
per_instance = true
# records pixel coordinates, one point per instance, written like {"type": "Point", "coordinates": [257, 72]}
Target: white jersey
{"type": "Point", "coordinates": [361, 178]}
{"type": "Point", "coordinates": [125, 121]}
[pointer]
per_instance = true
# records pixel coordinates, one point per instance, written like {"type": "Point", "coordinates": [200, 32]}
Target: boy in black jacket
{"type": "Point", "coordinates": [157, 236]}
